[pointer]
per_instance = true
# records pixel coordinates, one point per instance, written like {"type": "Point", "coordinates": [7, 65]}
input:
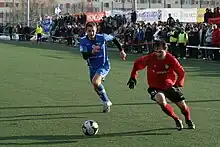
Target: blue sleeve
{"type": "Point", "coordinates": [83, 47]}
{"type": "Point", "coordinates": [108, 37]}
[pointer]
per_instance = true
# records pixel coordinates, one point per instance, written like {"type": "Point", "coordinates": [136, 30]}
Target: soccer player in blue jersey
{"type": "Point", "coordinates": [94, 51]}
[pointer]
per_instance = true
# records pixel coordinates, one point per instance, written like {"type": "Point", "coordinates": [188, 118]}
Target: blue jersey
{"type": "Point", "coordinates": [98, 59]}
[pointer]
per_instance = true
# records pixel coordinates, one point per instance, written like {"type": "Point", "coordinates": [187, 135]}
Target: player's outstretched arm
{"type": "Point", "coordinates": [180, 73]}
{"type": "Point", "coordinates": [139, 64]}
{"type": "Point", "coordinates": [117, 44]}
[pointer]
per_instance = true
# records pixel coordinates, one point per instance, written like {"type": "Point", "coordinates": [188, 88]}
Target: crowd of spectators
{"type": "Point", "coordinates": [138, 36]}
{"type": "Point", "coordinates": [211, 14]}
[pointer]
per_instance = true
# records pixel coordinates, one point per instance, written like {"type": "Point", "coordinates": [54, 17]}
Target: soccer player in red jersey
{"type": "Point", "coordinates": [164, 76]}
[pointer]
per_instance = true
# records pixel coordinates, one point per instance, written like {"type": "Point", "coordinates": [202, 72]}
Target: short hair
{"type": "Point", "coordinates": [91, 24]}
{"type": "Point", "coordinates": [160, 42]}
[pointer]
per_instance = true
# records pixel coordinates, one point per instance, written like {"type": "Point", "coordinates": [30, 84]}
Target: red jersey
{"type": "Point", "coordinates": [161, 74]}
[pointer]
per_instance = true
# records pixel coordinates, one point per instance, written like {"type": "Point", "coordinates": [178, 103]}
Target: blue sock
{"type": "Point", "coordinates": [102, 93]}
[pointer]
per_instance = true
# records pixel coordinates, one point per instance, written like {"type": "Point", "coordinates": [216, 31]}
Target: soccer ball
{"type": "Point", "coordinates": [90, 128]}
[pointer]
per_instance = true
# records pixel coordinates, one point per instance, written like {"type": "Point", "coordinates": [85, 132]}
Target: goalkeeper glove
{"type": "Point", "coordinates": [132, 83]}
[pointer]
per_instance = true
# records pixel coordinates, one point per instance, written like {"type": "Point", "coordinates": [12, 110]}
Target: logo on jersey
{"type": "Point", "coordinates": [95, 47]}
{"type": "Point", "coordinates": [165, 71]}
{"type": "Point", "coordinates": [167, 66]}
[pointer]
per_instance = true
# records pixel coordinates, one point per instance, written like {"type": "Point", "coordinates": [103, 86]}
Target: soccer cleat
{"type": "Point", "coordinates": [106, 106]}
{"type": "Point", "coordinates": [190, 124]}
{"type": "Point", "coordinates": [179, 124]}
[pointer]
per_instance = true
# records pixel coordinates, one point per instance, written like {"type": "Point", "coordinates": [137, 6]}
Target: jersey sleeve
{"type": "Point", "coordinates": [83, 47]}
{"type": "Point", "coordinates": [108, 37]}
{"type": "Point", "coordinates": [179, 71]}
{"type": "Point", "coordinates": [139, 64]}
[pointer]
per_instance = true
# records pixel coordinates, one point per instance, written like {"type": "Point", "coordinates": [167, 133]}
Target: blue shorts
{"type": "Point", "coordinates": [103, 71]}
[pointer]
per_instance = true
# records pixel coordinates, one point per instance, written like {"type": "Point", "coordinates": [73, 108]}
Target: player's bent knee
{"type": "Point", "coordinates": [96, 81]}
{"type": "Point", "coordinates": [96, 84]}
{"type": "Point", "coordinates": [160, 99]}
{"type": "Point", "coordinates": [181, 104]}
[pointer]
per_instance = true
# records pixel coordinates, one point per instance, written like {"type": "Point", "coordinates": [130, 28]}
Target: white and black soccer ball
{"type": "Point", "coordinates": [90, 128]}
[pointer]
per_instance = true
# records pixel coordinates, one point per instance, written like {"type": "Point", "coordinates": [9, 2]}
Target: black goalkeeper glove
{"type": "Point", "coordinates": [132, 83]}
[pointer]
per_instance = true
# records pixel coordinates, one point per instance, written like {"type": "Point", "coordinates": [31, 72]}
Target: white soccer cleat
{"type": "Point", "coordinates": [106, 106]}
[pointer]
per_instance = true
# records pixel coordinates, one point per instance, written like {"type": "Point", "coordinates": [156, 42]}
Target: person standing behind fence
{"type": "Point", "coordinates": [181, 43]}
{"type": "Point", "coordinates": [10, 30]}
{"type": "Point", "coordinates": [208, 14]}
{"type": "Point", "coordinates": [27, 32]}
{"type": "Point", "coordinates": [208, 43]}
{"type": "Point", "coordinates": [39, 32]}
{"type": "Point", "coordinates": [170, 20]}
{"type": "Point", "coordinates": [173, 42]}
{"type": "Point", "coordinates": [149, 37]}
{"type": "Point", "coordinates": [216, 41]}
{"type": "Point", "coordinates": [133, 17]}
{"type": "Point", "coordinates": [194, 52]}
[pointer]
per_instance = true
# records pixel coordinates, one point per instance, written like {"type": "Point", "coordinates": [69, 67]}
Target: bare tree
{"type": "Point", "coordinates": [37, 9]}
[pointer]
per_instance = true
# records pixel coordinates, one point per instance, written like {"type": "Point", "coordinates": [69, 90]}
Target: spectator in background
{"type": "Point", "coordinates": [10, 31]}
{"type": "Point", "coordinates": [195, 42]}
{"type": "Point", "coordinates": [208, 14]}
{"type": "Point", "coordinates": [173, 42]}
{"type": "Point", "coordinates": [124, 20]}
{"type": "Point", "coordinates": [202, 32]}
{"type": "Point", "coordinates": [170, 21]}
{"type": "Point", "coordinates": [149, 37]}
{"type": "Point", "coordinates": [216, 12]}
{"type": "Point", "coordinates": [181, 42]}
{"type": "Point", "coordinates": [27, 31]}
{"type": "Point", "coordinates": [216, 41]}
{"type": "Point", "coordinates": [39, 32]}
{"type": "Point", "coordinates": [133, 16]}
{"type": "Point", "coordinates": [208, 43]}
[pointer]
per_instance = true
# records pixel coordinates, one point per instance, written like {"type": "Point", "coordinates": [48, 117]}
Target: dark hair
{"type": "Point", "coordinates": [91, 24]}
{"type": "Point", "coordinates": [160, 42]}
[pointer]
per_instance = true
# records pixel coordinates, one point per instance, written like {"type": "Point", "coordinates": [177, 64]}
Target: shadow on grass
{"type": "Point", "coordinates": [40, 118]}
{"type": "Point", "coordinates": [79, 106]}
{"type": "Point", "coordinates": [37, 143]}
{"type": "Point", "coordinates": [55, 57]}
{"type": "Point", "coordinates": [201, 68]}
{"type": "Point", "coordinates": [59, 139]}
{"type": "Point", "coordinates": [49, 116]}
{"type": "Point", "coordinates": [45, 114]}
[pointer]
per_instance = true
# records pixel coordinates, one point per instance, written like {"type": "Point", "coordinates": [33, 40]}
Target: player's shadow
{"type": "Point", "coordinates": [55, 139]}
{"type": "Point", "coordinates": [95, 105]}
{"type": "Point", "coordinates": [37, 143]}
{"type": "Point", "coordinates": [51, 56]}
{"type": "Point", "coordinates": [43, 116]}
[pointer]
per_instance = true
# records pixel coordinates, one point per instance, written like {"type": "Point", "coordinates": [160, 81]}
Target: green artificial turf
{"type": "Point", "coordinates": [45, 96]}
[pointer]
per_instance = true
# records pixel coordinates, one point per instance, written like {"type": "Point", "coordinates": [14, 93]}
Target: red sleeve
{"type": "Point", "coordinates": [179, 71]}
{"type": "Point", "coordinates": [139, 64]}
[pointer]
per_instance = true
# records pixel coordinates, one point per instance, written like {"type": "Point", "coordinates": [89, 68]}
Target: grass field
{"type": "Point", "coordinates": [46, 96]}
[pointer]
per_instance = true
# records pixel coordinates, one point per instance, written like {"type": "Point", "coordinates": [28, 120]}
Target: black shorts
{"type": "Point", "coordinates": [39, 36]}
{"type": "Point", "coordinates": [173, 94]}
